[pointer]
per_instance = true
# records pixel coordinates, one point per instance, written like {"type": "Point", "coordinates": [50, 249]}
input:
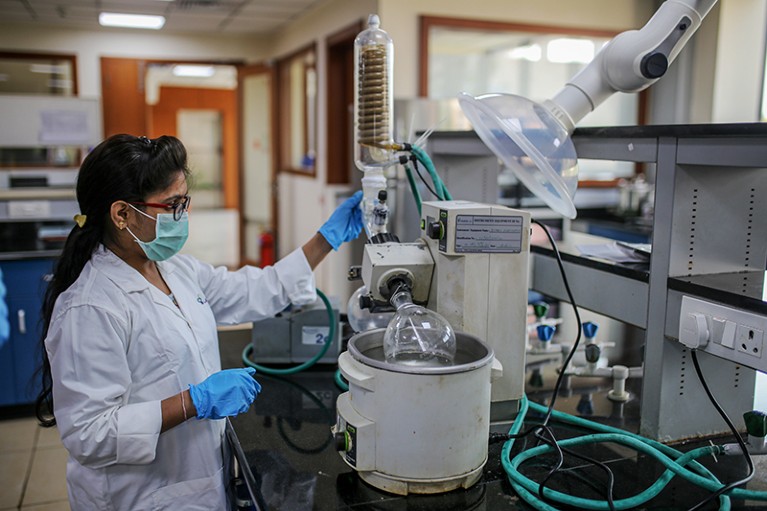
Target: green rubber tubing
{"type": "Point", "coordinates": [340, 382]}
{"type": "Point", "coordinates": [413, 188]}
{"type": "Point", "coordinates": [305, 365]}
{"type": "Point", "coordinates": [675, 462]}
{"type": "Point", "coordinates": [441, 189]}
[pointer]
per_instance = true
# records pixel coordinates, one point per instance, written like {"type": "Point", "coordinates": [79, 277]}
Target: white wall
{"type": "Point", "coordinates": [739, 61]}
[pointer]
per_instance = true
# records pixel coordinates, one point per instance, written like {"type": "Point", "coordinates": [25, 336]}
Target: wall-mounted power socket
{"type": "Point", "coordinates": [749, 340]}
{"type": "Point", "coordinates": [728, 333]}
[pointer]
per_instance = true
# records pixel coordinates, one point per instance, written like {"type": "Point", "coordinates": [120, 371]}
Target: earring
{"type": "Point", "coordinates": [121, 225]}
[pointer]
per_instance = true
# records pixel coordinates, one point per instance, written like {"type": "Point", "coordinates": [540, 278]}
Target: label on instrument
{"type": "Point", "coordinates": [351, 453]}
{"type": "Point", "coordinates": [488, 234]}
{"type": "Point", "coordinates": [314, 335]}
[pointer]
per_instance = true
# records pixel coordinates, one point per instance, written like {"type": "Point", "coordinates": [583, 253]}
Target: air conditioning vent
{"type": "Point", "coordinates": [199, 4]}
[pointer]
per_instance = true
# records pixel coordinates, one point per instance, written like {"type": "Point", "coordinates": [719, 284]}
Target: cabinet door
{"type": "Point", "coordinates": [7, 367]}
{"type": "Point", "coordinates": [25, 282]}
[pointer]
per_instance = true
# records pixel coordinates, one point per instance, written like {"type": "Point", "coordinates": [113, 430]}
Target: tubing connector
{"type": "Point", "coordinates": [618, 392]}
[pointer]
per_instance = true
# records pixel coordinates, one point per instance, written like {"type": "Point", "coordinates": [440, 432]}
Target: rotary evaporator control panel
{"type": "Point", "coordinates": [461, 227]}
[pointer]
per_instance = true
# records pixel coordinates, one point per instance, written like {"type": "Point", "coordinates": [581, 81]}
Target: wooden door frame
{"type": "Point", "coordinates": [222, 101]}
{"type": "Point", "coordinates": [283, 112]}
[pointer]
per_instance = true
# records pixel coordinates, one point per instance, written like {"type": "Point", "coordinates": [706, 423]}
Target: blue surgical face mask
{"type": "Point", "coordinates": [170, 235]}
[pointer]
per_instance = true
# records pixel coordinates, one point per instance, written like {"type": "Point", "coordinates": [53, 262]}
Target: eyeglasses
{"type": "Point", "coordinates": [178, 207]}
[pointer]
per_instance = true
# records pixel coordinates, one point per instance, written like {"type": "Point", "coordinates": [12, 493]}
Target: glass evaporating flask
{"type": "Point", "coordinates": [417, 336]}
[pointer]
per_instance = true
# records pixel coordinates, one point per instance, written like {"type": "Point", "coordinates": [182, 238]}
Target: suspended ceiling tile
{"type": "Point", "coordinates": [247, 26]}
{"type": "Point", "coordinates": [218, 16]}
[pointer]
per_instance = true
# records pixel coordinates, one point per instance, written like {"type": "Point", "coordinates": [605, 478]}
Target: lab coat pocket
{"type": "Point", "coordinates": [203, 494]}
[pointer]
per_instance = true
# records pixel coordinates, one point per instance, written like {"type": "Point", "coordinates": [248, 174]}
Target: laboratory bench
{"type": "Point", "coordinates": [288, 460]}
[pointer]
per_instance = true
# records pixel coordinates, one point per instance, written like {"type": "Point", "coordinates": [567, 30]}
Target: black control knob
{"type": "Point", "coordinates": [341, 441]}
{"type": "Point", "coordinates": [366, 302]}
{"type": "Point", "coordinates": [434, 230]}
{"type": "Point", "coordinates": [653, 65]}
{"type": "Point", "coordinates": [592, 353]}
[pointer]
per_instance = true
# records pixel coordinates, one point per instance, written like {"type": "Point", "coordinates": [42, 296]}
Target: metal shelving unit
{"type": "Point", "coordinates": [709, 221]}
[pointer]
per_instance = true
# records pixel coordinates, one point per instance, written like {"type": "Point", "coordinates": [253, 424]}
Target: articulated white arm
{"type": "Point", "coordinates": [630, 62]}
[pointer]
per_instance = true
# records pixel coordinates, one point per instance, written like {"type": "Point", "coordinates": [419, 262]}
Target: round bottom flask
{"type": "Point", "coordinates": [418, 336]}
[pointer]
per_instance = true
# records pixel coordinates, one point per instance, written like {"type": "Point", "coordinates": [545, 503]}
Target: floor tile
{"type": "Point", "coordinates": [47, 479]}
{"type": "Point", "coordinates": [14, 467]}
{"type": "Point", "coordinates": [17, 434]}
{"type": "Point", "coordinates": [48, 437]}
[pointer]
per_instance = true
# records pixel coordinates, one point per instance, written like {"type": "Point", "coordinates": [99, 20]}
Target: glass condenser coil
{"type": "Point", "coordinates": [373, 101]}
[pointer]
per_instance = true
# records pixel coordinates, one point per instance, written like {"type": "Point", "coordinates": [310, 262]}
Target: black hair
{"type": "Point", "coordinates": [122, 167]}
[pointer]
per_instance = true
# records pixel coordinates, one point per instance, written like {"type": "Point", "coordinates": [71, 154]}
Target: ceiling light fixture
{"type": "Point", "coordinates": [193, 70]}
{"type": "Point", "coordinates": [114, 19]}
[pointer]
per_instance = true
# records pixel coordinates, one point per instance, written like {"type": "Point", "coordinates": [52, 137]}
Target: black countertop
{"type": "Point", "coordinates": [743, 290]}
{"type": "Point", "coordinates": [676, 130]}
{"type": "Point", "coordinates": [285, 444]}
{"type": "Point", "coordinates": [637, 271]}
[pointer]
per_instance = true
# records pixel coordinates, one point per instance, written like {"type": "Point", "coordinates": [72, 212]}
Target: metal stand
{"type": "Point", "coordinates": [708, 220]}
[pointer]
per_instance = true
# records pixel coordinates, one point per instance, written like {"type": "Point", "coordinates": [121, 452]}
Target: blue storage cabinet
{"type": "Point", "coordinates": [25, 282]}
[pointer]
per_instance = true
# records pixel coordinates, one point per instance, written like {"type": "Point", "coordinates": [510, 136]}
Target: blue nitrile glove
{"type": "Point", "coordinates": [225, 393]}
{"type": "Point", "coordinates": [345, 223]}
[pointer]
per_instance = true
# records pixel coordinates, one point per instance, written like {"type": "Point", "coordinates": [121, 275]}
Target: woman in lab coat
{"type": "Point", "coordinates": [131, 367]}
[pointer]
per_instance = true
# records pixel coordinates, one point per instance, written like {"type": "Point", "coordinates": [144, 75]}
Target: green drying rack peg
{"type": "Point", "coordinates": [756, 423]}
{"type": "Point", "coordinates": [540, 309]}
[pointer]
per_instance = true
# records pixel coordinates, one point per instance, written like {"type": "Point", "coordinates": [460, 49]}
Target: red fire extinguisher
{"type": "Point", "coordinates": [266, 241]}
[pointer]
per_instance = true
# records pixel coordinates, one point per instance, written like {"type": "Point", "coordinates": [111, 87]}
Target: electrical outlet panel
{"type": "Point", "coordinates": [732, 334]}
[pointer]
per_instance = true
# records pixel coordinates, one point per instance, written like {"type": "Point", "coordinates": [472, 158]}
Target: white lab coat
{"type": "Point", "coordinates": [118, 346]}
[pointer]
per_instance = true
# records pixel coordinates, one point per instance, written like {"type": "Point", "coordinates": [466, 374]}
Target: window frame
{"type": "Point", "coordinates": [285, 110]}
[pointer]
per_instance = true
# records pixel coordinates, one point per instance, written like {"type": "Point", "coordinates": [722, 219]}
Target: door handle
{"type": "Point", "coordinates": [22, 321]}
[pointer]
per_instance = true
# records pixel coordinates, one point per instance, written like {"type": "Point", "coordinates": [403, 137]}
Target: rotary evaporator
{"type": "Point", "coordinates": [417, 414]}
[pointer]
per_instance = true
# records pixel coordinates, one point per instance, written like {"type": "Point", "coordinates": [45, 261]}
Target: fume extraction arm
{"type": "Point", "coordinates": [533, 139]}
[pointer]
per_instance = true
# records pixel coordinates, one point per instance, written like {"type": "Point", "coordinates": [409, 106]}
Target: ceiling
{"type": "Point", "coordinates": [240, 17]}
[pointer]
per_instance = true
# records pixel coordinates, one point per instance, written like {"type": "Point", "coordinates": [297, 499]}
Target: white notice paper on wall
{"type": "Point", "coordinates": [29, 209]}
{"type": "Point", "coordinates": [64, 127]}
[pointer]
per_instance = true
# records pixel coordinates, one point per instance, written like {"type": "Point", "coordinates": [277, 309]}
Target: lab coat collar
{"type": "Point", "coordinates": [121, 273]}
